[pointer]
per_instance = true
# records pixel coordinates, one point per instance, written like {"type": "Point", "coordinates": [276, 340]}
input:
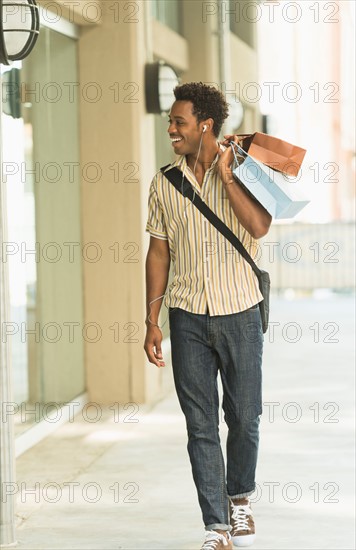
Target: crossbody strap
{"type": "Point", "coordinates": [174, 175]}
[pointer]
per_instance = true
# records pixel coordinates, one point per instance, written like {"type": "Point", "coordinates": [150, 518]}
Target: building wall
{"type": "Point", "coordinates": [114, 130]}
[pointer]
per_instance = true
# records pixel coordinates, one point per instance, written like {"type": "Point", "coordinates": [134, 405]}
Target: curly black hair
{"type": "Point", "coordinates": [208, 102]}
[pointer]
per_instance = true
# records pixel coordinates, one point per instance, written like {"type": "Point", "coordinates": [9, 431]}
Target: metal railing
{"type": "Point", "coordinates": [308, 256]}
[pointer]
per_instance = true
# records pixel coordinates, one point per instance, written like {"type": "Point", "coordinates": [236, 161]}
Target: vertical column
{"type": "Point", "coordinates": [200, 23]}
{"type": "Point", "coordinates": [118, 135]}
{"type": "Point", "coordinates": [7, 464]}
{"type": "Point", "coordinates": [224, 55]}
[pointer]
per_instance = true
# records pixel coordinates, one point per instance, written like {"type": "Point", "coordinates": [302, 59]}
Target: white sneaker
{"type": "Point", "coordinates": [241, 519]}
{"type": "Point", "coordinates": [217, 541]}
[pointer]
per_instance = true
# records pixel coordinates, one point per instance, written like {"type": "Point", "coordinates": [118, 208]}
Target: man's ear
{"type": "Point", "coordinates": [210, 122]}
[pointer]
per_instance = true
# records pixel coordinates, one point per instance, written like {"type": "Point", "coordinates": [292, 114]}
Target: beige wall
{"type": "Point", "coordinates": [244, 70]}
{"type": "Point", "coordinates": [202, 44]}
{"type": "Point", "coordinates": [83, 13]}
{"type": "Point", "coordinates": [116, 131]}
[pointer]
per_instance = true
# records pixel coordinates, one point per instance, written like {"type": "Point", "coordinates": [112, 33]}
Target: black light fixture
{"type": "Point", "coordinates": [19, 29]}
{"type": "Point", "coordinates": [11, 100]}
{"type": "Point", "coordinates": [160, 79]}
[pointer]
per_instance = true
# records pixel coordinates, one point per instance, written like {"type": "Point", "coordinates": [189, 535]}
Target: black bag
{"type": "Point", "coordinates": [264, 283]}
{"type": "Point", "coordinates": [174, 175]}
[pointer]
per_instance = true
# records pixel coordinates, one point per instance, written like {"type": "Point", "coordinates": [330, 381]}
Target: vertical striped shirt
{"type": "Point", "coordinates": [208, 272]}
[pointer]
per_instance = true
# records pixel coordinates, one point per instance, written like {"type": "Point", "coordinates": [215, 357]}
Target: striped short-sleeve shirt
{"type": "Point", "coordinates": [208, 272]}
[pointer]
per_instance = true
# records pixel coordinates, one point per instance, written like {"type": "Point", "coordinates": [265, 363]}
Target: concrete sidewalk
{"type": "Point", "coordinates": [126, 482]}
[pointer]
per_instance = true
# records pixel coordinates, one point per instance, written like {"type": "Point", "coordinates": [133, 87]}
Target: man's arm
{"type": "Point", "coordinates": [157, 272]}
{"type": "Point", "coordinates": [250, 213]}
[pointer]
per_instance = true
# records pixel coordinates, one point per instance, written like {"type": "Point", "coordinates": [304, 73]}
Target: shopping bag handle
{"type": "Point", "coordinates": [232, 143]}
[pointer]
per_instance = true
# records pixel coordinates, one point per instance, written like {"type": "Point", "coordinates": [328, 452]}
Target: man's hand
{"type": "Point", "coordinates": [250, 213]}
{"type": "Point", "coordinates": [152, 345]}
{"type": "Point", "coordinates": [226, 158]}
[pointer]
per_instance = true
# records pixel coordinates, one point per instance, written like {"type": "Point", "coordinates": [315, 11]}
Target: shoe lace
{"type": "Point", "coordinates": [240, 514]}
{"type": "Point", "coordinates": [212, 538]}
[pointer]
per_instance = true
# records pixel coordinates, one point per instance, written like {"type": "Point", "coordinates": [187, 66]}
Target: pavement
{"type": "Point", "coordinates": [124, 482]}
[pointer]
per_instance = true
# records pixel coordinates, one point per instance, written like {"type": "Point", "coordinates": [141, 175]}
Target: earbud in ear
{"type": "Point", "coordinates": [204, 128]}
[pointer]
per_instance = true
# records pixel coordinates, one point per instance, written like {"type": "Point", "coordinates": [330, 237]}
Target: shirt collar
{"type": "Point", "coordinates": [181, 161]}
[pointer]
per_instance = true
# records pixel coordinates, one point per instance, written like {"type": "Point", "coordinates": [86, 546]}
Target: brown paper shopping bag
{"type": "Point", "coordinates": [274, 152]}
{"type": "Point", "coordinates": [277, 193]}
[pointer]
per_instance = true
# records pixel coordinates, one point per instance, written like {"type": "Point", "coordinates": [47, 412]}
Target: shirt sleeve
{"type": "Point", "coordinates": [156, 225]}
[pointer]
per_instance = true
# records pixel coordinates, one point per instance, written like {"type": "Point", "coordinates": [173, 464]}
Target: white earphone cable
{"type": "Point", "coordinates": [195, 164]}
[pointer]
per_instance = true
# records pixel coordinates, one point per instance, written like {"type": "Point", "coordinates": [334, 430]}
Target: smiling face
{"type": "Point", "coordinates": [183, 129]}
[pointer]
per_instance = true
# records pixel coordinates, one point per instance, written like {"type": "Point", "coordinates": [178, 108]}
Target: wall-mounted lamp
{"type": "Point", "coordinates": [160, 79]}
{"type": "Point", "coordinates": [19, 29]}
{"type": "Point", "coordinates": [11, 86]}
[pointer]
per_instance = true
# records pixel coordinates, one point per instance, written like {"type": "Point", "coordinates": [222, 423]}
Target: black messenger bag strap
{"type": "Point", "coordinates": [174, 175]}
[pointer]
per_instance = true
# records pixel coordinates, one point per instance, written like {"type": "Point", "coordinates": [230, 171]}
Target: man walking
{"type": "Point", "coordinates": [214, 316]}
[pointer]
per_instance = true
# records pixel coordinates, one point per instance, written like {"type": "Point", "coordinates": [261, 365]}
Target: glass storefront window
{"type": "Point", "coordinates": [16, 150]}
{"type": "Point", "coordinates": [39, 141]}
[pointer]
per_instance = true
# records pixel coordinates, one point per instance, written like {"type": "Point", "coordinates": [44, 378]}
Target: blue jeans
{"type": "Point", "coordinates": [200, 346]}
